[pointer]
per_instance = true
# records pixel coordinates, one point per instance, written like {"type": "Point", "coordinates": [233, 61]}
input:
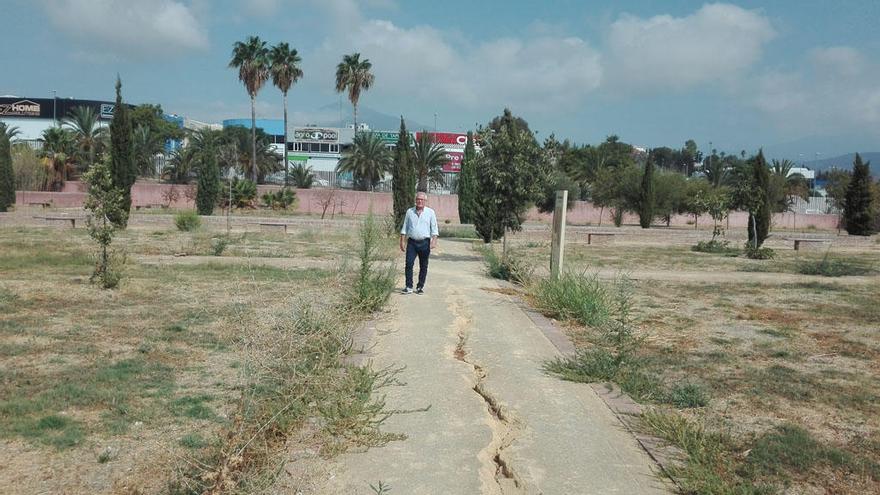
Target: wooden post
{"type": "Point", "coordinates": [557, 243]}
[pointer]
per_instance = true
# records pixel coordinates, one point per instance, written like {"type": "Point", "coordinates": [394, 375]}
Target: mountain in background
{"type": "Point", "coordinates": [821, 148]}
{"type": "Point", "coordinates": [377, 121]}
{"type": "Point", "coordinates": [845, 162]}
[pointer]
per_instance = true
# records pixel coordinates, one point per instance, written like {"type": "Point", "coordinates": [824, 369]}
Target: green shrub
{"type": "Point", "coordinates": [688, 395]}
{"type": "Point", "coordinates": [187, 221]}
{"type": "Point", "coordinates": [218, 245]}
{"type": "Point", "coordinates": [831, 267]}
{"type": "Point", "coordinates": [373, 286]}
{"type": "Point", "coordinates": [573, 296]}
{"type": "Point", "coordinates": [715, 247]}
{"type": "Point", "coordinates": [243, 193]}
{"type": "Point", "coordinates": [462, 232]}
{"type": "Point", "coordinates": [761, 253]}
{"type": "Point", "coordinates": [279, 200]}
{"type": "Point", "coordinates": [513, 269]}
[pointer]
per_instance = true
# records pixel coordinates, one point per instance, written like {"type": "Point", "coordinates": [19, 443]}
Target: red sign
{"type": "Point", "coordinates": [453, 164]}
{"type": "Point", "coordinates": [449, 139]}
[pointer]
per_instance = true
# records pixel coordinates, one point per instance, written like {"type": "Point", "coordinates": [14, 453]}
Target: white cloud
{"type": "Point", "coordinates": [125, 29]}
{"type": "Point", "coordinates": [835, 92]}
{"type": "Point", "coordinates": [664, 52]}
{"type": "Point", "coordinates": [838, 60]}
{"type": "Point", "coordinates": [539, 73]}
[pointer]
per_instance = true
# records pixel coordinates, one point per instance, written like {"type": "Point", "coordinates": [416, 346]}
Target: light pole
{"type": "Point", "coordinates": [54, 105]}
{"type": "Point", "coordinates": [435, 122]}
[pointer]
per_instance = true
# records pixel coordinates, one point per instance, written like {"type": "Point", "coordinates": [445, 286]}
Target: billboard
{"type": "Point", "coordinates": [316, 134]}
{"type": "Point", "coordinates": [47, 108]}
{"type": "Point", "coordinates": [449, 140]}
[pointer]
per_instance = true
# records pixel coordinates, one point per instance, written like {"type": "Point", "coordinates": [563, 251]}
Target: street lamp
{"type": "Point", "coordinates": [435, 122]}
{"type": "Point", "coordinates": [54, 105]}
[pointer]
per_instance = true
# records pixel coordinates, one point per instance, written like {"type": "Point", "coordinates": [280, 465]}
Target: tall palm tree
{"type": "Point", "coordinates": [251, 58]}
{"type": "Point", "coordinates": [89, 135]}
{"type": "Point", "coordinates": [368, 161]}
{"type": "Point", "coordinates": [353, 75]}
{"type": "Point", "coordinates": [285, 71]}
{"type": "Point", "coordinates": [429, 158]}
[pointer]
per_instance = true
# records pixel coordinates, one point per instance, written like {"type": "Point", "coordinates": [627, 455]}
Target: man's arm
{"type": "Point", "coordinates": [403, 230]}
{"type": "Point", "coordinates": [435, 231]}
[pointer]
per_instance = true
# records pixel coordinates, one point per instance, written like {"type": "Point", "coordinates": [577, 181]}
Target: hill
{"type": "Point", "coordinates": [377, 121]}
{"type": "Point", "coordinates": [846, 161]}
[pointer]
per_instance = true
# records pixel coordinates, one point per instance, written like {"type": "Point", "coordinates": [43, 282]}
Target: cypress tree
{"type": "Point", "coordinates": [208, 187]}
{"type": "Point", "coordinates": [646, 195]}
{"type": "Point", "coordinates": [122, 166]}
{"type": "Point", "coordinates": [857, 203]}
{"type": "Point", "coordinates": [7, 179]}
{"type": "Point", "coordinates": [467, 182]}
{"type": "Point", "coordinates": [760, 211]}
{"type": "Point", "coordinates": [403, 177]}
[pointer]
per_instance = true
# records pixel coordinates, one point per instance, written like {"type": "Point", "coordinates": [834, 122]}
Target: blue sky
{"type": "Point", "coordinates": [795, 77]}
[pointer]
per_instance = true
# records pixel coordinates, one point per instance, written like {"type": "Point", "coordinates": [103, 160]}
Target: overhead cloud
{"type": "Point", "coordinates": [122, 28]}
{"type": "Point", "coordinates": [665, 52]}
{"type": "Point", "coordinates": [835, 91]}
{"type": "Point", "coordinates": [540, 73]}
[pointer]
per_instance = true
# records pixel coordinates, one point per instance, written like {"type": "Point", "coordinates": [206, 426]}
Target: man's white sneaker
{"type": "Point", "coordinates": [420, 291]}
{"type": "Point", "coordinates": [407, 290]}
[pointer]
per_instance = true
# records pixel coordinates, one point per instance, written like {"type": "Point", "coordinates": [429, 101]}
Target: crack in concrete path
{"type": "Point", "coordinates": [497, 476]}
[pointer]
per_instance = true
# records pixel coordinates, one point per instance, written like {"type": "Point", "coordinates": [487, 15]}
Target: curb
{"type": "Point", "coordinates": [624, 408]}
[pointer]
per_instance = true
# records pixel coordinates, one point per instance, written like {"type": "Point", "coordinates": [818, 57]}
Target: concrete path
{"type": "Point", "coordinates": [495, 422]}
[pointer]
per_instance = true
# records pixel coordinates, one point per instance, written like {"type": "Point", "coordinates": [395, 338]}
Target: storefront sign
{"type": "Point", "coordinates": [23, 108]}
{"type": "Point", "coordinates": [315, 134]}
{"type": "Point", "coordinates": [448, 139]}
{"type": "Point", "coordinates": [107, 110]}
{"type": "Point", "coordinates": [453, 165]}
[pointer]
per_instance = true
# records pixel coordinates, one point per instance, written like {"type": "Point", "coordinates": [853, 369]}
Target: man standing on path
{"type": "Point", "coordinates": [417, 237]}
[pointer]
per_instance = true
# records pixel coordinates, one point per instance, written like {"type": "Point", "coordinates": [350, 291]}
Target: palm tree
{"type": "Point", "coordinates": [251, 58]}
{"type": "Point", "coordinates": [302, 175]}
{"type": "Point", "coordinates": [428, 158]}
{"type": "Point", "coordinates": [58, 148]}
{"type": "Point", "coordinates": [353, 74]}
{"type": "Point", "coordinates": [368, 161]}
{"type": "Point", "coordinates": [147, 145]}
{"type": "Point", "coordinates": [285, 71]}
{"type": "Point", "coordinates": [90, 137]}
{"type": "Point", "coordinates": [10, 131]}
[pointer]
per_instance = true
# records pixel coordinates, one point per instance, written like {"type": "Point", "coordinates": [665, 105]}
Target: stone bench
{"type": "Point", "coordinates": [150, 206]}
{"type": "Point", "coordinates": [39, 203]}
{"type": "Point", "coordinates": [600, 237]}
{"type": "Point", "coordinates": [272, 226]}
{"type": "Point", "coordinates": [62, 220]}
{"type": "Point", "coordinates": [810, 244]}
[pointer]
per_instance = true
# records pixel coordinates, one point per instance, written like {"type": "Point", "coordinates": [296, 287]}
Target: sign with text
{"type": "Point", "coordinates": [448, 139]}
{"type": "Point", "coordinates": [453, 163]}
{"type": "Point", "coordinates": [314, 134]}
{"type": "Point", "coordinates": [23, 108]}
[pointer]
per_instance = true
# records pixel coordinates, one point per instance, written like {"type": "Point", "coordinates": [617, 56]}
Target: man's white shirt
{"type": "Point", "coordinates": [420, 227]}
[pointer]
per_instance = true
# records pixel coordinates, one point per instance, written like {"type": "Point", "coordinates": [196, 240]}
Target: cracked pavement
{"type": "Point", "coordinates": [492, 422]}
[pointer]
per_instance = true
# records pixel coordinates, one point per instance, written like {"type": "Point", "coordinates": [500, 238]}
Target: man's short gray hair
{"type": "Point", "coordinates": [422, 193]}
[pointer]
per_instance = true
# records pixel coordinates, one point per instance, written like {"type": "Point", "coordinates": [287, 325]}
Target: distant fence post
{"type": "Point", "coordinates": [557, 242]}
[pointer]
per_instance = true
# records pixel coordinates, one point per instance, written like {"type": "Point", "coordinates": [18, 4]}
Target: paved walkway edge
{"type": "Point", "coordinates": [619, 402]}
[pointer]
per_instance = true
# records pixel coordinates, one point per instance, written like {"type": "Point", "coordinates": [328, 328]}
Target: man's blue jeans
{"type": "Point", "coordinates": [422, 249]}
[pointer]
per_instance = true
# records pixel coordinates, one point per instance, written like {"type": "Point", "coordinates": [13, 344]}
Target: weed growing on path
{"type": "Point", "coordinates": [372, 286]}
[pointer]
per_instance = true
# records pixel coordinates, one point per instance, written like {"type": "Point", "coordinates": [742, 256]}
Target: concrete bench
{"type": "Point", "coordinates": [39, 203]}
{"type": "Point", "coordinates": [272, 226]}
{"type": "Point", "coordinates": [62, 220]}
{"type": "Point", "coordinates": [600, 237]}
{"type": "Point", "coordinates": [150, 206]}
{"type": "Point", "coordinates": [810, 244]}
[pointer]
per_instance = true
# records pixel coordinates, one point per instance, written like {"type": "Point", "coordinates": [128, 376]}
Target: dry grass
{"type": "Point", "coordinates": [131, 389]}
{"type": "Point", "coordinates": [788, 366]}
